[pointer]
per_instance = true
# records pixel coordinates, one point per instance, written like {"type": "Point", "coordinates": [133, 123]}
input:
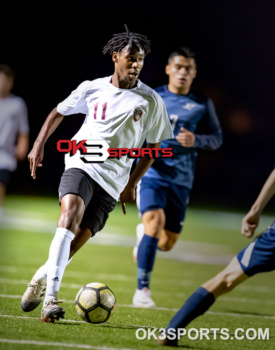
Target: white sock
{"type": "Point", "coordinates": [58, 259]}
{"type": "Point", "coordinates": [1, 213]}
{"type": "Point", "coordinates": [41, 273]}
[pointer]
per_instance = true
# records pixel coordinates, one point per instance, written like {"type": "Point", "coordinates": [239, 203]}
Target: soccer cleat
{"type": "Point", "coordinates": [139, 234]}
{"type": "Point", "coordinates": [51, 311]}
{"type": "Point", "coordinates": [142, 298]}
{"type": "Point", "coordinates": [164, 341]}
{"type": "Point", "coordinates": [33, 295]}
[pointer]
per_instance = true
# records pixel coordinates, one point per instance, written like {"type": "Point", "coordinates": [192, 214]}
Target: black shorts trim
{"type": "Point", "coordinates": [5, 177]}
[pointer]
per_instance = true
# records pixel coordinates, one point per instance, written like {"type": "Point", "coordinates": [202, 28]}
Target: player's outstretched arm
{"type": "Point", "coordinates": [128, 194]}
{"type": "Point", "coordinates": [251, 220]}
{"type": "Point", "coordinates": [36, 155]}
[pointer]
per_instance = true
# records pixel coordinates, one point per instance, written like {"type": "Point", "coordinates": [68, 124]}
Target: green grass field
{"type": "Point", "coordinates": [207, 243]}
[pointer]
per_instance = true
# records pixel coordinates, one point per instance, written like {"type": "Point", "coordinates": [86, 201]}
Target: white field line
{"type": "Point", "coordinates": [225, 220]}
{"type": "Point", "coordinates": [209, 218]}
{"type": "Point", "coordinates": [195, 252]}
{"type": "Point", "coordinates": [180, 295]}
{"type": "Point", "coordinates": [239, 315]}
{"type": "Point", "coordinates": [187, 251]}
{"type": "Point", "coordinates": [214, 313]}
{"type": "Point", "coordinates": [126, 278]}
{"type": "Point", "coordinates": [66, 345]}
{"type": "Point", "coordinates": [78, 286]}
{"type": "Point", "coordinates": [241, 300]}
{"type": "Point", "coordinates": [99, 276]}
{"type": "Point", "coordinates": [77, 321]}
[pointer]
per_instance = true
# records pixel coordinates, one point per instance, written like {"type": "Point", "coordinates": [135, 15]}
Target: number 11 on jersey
{"type": "Point", "coordinates": [104, 107]}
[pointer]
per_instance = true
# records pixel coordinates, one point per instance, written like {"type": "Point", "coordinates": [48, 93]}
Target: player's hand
{"type": "Point", "coordinates": [186, 138]}
{"type": "Point", "coordinates": [250, 223]}
{"type": "Point", "coordinates": [127, 195]}
{"type": "Point", "coordinates": [35, 158]}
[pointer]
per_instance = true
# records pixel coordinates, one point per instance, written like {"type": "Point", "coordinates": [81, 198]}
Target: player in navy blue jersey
{"type": "Point", "coordinates": [163, 193]}
{"type": "Point", "coordinates": [258, 256]}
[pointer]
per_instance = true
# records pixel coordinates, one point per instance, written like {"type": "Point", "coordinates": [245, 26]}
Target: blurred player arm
{"type": "Point", "coordinates": [128, 194]}
{"type": "Point", "coordinates": [252, 218]}
{"type": "Point", "coordinates": [36, 155]}
{"type": "Point", "coordinates": [22, 146]}
{"type": "Point", "coordinates": [209, 133]}
{"type": "Point", "coordinates": [22, 142]}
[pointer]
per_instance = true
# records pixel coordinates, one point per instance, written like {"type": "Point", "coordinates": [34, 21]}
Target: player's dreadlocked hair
{"type": "Point", "coordinates": [119, 41]}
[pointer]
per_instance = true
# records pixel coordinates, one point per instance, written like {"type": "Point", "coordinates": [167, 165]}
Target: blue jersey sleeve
{"type": "Point", "coordinates": [208, 135]}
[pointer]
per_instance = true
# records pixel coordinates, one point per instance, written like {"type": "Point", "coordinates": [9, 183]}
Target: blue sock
{"type": "Point", "coordinates": [196, 305]}
{"type": "Point", "coordinates": [145, 260]}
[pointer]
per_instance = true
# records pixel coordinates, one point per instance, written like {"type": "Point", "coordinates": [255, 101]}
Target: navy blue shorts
{"type": "Point", "coordinates": [155, 194]}
{"type": "Point", "coordinates": [259, 255]}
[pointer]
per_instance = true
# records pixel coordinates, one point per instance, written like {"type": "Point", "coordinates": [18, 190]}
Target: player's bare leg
{"type": "Point", "coordinates": [71, 214]}
{"type": "Point", "coordinates": [72, 211]}
{"type": "Point", "coordinates": [227, 279]}
{"type": "Point", "coordinates": [153, 222]}
{"type": "Point", "coordinates": [82, 235]}
{"type": "Point", "coordinates": [167, 240]}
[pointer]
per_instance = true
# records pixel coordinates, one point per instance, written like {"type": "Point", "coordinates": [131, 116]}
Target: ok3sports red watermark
{"type": "Point", "coordinates": [97, 151]}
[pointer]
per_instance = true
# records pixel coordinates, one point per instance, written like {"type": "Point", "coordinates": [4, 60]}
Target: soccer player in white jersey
{"type": "Point", "coordinates": [88, 192]}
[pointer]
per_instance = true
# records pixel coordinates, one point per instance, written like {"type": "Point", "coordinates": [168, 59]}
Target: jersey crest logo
{"type": "Point", "coordinates": [137, 114]}
{"type": "Point", "coordinates": [189, 106]}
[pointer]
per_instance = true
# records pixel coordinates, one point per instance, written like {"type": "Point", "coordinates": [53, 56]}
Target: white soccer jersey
{"type": "Point", "coordinates": [121, 117]}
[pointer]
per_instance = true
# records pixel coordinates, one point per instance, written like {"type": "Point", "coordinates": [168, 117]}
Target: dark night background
{"type": "Point", "coordinates": [53, 48]}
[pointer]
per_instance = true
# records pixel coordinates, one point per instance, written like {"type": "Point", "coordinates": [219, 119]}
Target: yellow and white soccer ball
{"type": "Point", "coordinates": [95, 302]}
